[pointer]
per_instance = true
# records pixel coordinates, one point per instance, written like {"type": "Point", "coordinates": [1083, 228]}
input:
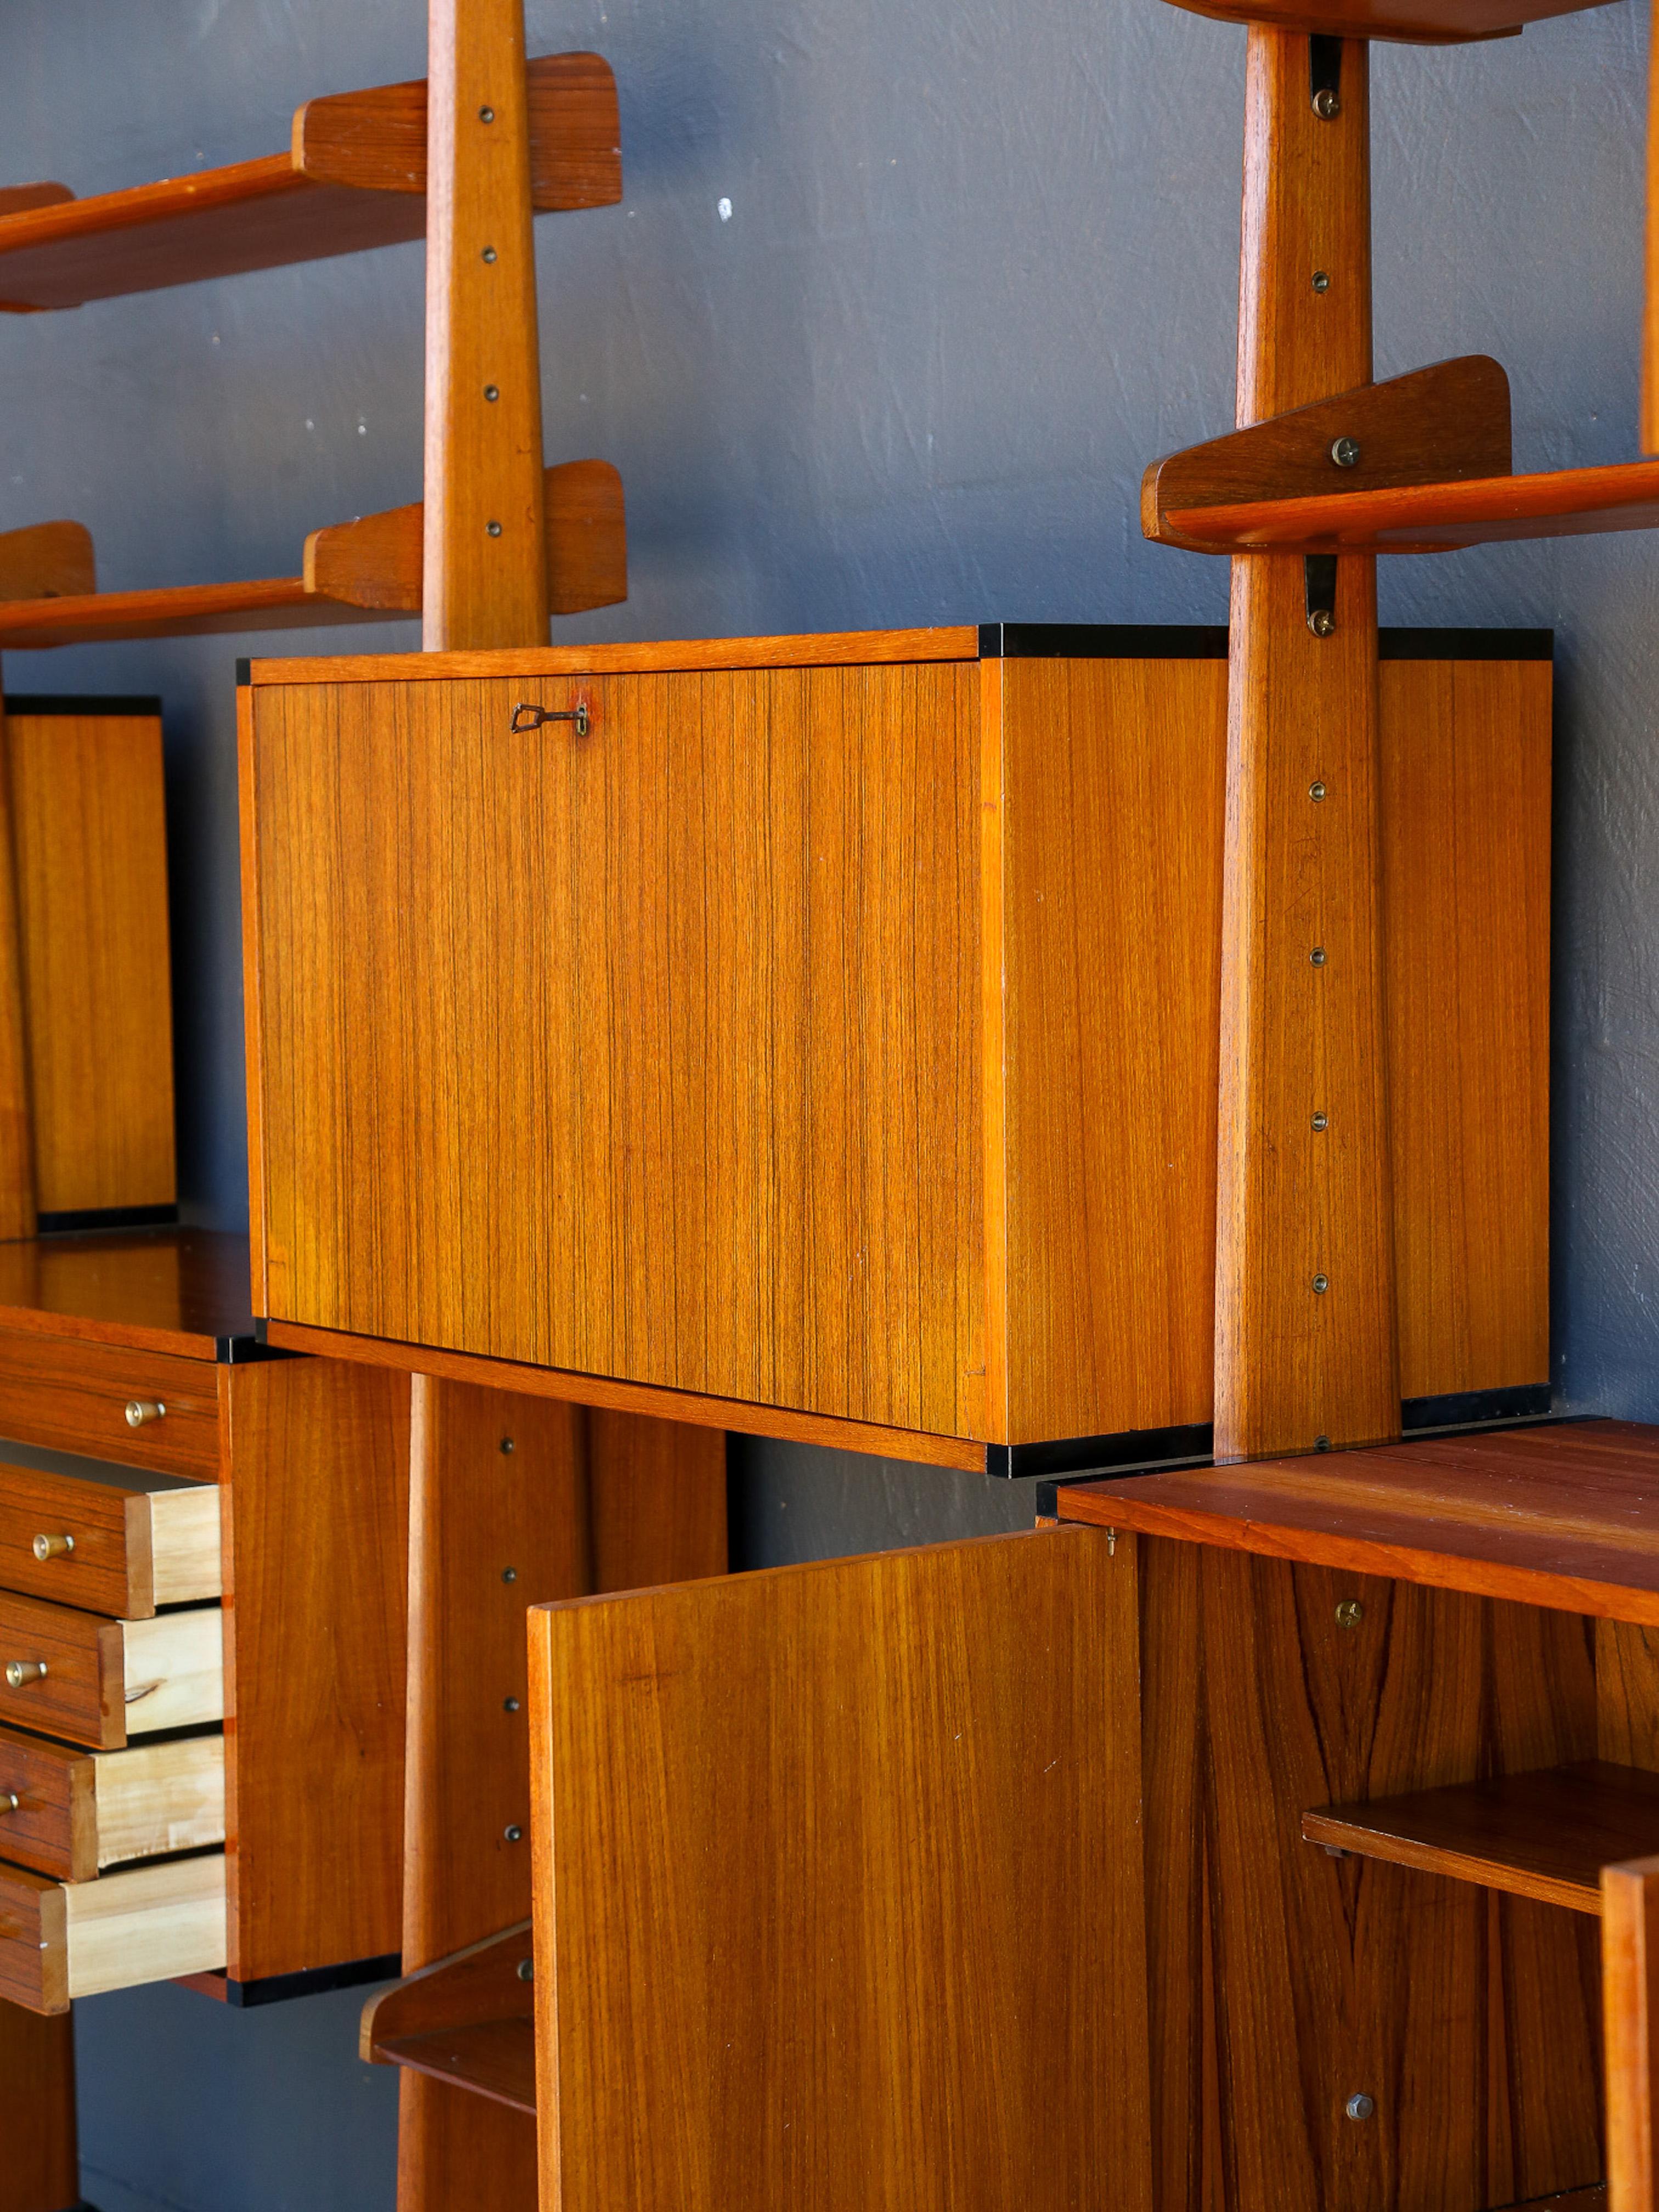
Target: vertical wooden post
{"type": "Point", "coordinates": [1306, 1325]}
{"type": "Point", "coordinates": [17, 1216]}
{"type": "Point", "coordinates": [1630, 2005]}
{"type": "Point", "coordinates": [485, 558]}
{"type": "Point", "coordinates": [39, 2169]}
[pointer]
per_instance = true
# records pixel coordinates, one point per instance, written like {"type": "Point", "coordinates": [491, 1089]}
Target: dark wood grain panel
{"type": "Point", "coordinates": [838, 1921]}
{"type": "Point", "coordinates": [42, 2167]}
{"type": "Point", "coordinates": [1284, 1982]}
{"type": "Point", "coordinates": [48, 1817]}
{"type": "Point", "coordinates": [656, 1501]}
{"type": "Point", "coordinates": [1565, 1516]}
{"type": "Point", "coordinates": [316, 1596]}
{"type": "Point", "coordinates": [467, 2021]}
{"type": "Point", "coordinates": [80, 1695]}
{"type": "Point", "coordinates": [1629, 1968]}
{"type": "Point", "coordinates": [180, 1291]}
{"type": "Point", "coordinates": [72, 1394]}
{"type": "Point", "coordinates": [34, 1941]}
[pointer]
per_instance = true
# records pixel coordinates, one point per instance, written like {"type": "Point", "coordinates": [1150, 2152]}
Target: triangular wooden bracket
{"type": "Point", "coordinates": [1445, 424]}
{"type": "Point", "coordinates": [468, 2020]}
{"type": "Point", "coordinates": [376, 561]}
{"type": "Point", "coordinates": [47, 561]}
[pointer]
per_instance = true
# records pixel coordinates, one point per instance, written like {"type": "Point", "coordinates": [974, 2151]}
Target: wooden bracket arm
{"type": "Point", "coordinates": [1412, 22]}
{"type": "Point", "coordinates": [468, 2019]}
{"type": "Point", "coordinates": [1447, 423]}
{"type": "Point", "coordinates": [1630, 2000]}
{"type": "Point", "coordinates": [376, 561]}
{"type": "Point", "coordinates": [47, 561]}
{"type": "Point", "coordinates": [376, 141]}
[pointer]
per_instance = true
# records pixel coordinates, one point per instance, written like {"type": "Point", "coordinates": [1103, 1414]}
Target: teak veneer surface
{"type": "Point", "coordinates": [850, 1916]}
{"type": "Point", "coordinates": [355, 177]}
{"type": "Point", "coordinates": [1564, 1516]}
{"type": "Point", "coordinates": [1414, 22]}
{"type": "Point", "coordinates": [468, 2020]}
{"type": "Point", "coordinates": [831, 649]}
{"type": "Point", "coordinates": [1432, 517]}
{"type": "Point", "coordinates": [178, 1290]}
{"type": "Point", "coordinates": [177, 610]}
{"type": "Point", "coordinates": [42, 2167]}
{"type": "Point", "coordinates": [1546, 1834]}
{"type": "Point", "coordinates": [1630, 1988]}
{"type": "Point", "coordinates": [787, 1043]}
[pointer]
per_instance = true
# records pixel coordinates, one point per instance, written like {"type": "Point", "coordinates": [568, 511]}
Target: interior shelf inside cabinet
{"type": "Point", "coordinates": [467, 2020]}
{"type": "Point", "coordinates": [1433, 518]}
{"type": "Point", "coordinates": [1545, 1835]}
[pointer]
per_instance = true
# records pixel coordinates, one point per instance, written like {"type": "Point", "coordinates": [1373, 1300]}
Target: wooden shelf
{"type": "Point", "coordinates": [1545, 1835]}
{"type": "Point", "coordinates": [1412, 22]}
{"type": "Point", "coordinates": [179, 1290]}
{"type": "Point", "coordinates": [355, 178]}
{"type": "Point", "coordinates": [467, 2020]}
{"type": "Point", "coordinates": [184, 611]}
{"type": "Point", "coordinates": [1433, 518]}
{"type": "Point", "coordinates": [1564, 1516]}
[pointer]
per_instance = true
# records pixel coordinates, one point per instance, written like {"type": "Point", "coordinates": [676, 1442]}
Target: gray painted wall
{"type": "Point", "coordinates": [979, 266]}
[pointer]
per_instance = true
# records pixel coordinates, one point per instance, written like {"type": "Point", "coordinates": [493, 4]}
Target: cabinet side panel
{"type": "Point", "coordinates": [1113, 798]}
{"type": "Point", "coordinates": [649, 1054]}
{"type": "Point", "coordinates": [92, 888]}
{"type": "Point", "coordinates": [315, 1524]}
{"type": "Point", "coordinates": [40, 2171]}
{"type": "Point", "coordinates": [1465, 755]}
{"type": "Point", "coordinates": [831, 1911]}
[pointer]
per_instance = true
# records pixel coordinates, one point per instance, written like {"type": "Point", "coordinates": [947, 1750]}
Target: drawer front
{"type": "Point", "coordinates": [105, 1548]}
{"type": "Point", "coordinates": [107, 1679]}
{"type": "Point", "coordinates": [71, 1814]}
{"type": "Point", "coordinates": [64, 1940]}
{"type": "Point", "coordinates": [76, 1397]}
{"type": "Point", "coordinates": [61, 1672]}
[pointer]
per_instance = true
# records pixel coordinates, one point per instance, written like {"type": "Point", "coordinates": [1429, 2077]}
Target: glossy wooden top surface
{"type": "Point", "coordinates": [1564, 1516]}
{"type": "Point", "coordinates": [959, 641]}
{"type": "Point", "coordinates": [182, 1291]}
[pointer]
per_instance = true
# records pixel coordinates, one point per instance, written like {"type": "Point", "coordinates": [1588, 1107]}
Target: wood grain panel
{"type": "Point", "coordinates": [33, 1943]}
{"type": "Point", "coordinates": [761, 1190]}
{"type": "Point", "coordinates": [80, 1695]}
{"type": "Point", "coordinates": [1562, 1516]}
{"type": "Point", "coordinates": [108, 1549]}
{"type": "Point", "coordinates": [1630, 1983]}
{"type": "Point", "coordinates": [46, 560]}
{"type": "Point", "coordinates": [829, 649]}
{"type": "Point", "coordinates": [1112, 792]}
{"type": "Point", "coordinates": [656, 1501]}
{"type": "Point", "coordinates": [468, 2020]}
{"type": "Point", "coordinates": [73, 1393]}
{"type": "Point", "coordinates": [1306, 1324]}
{"type": "Point", "coordinates": [90, 829]}
{"type": "Point", "coordinates": [1284, 1982]}
{"type": "Point", "coordinates": [1465, 759]}
{"type": "Point", "coordinates": [840, 1921]}
{"type": "Point", "coordinates": [179, 1290]}
{"type": "Point", "coordinates": [315, 1600]}
{"type": "Point", "coordinates": [41, 2172]}
{"type": "Point", "coordinates": [17, 1207]}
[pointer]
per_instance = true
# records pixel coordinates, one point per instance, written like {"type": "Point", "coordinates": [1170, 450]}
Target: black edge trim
{"type": "Point", "coordinates": [29, 703]}
{"type": "Point", "coordinates": [244, 671]}
{"type": "Point", "coordinates": [315, 1981]}
{"type": "Point", "coordinates": [108, 1216]}
{"type": "Point", "coordinates": [240, 1351]}
{"type": "Point", "coordinates": [1465, 645]}
{"type": "Point", "coordinates": [1324, 63]}
{"type": "Point", "coordinates": [1461, 1409]}
{"type": "Point", "coordinates": [1208, 642]}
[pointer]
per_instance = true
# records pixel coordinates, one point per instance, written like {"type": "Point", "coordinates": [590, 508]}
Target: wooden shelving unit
{"type": "Point", "coordinates": [468, 2021]}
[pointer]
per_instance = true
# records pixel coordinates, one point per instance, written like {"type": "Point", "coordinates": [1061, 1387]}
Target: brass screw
{"type": "Point", "coordinates": [1349, 1613]}
{"type": "Point", "coordinates": [490, 253]}
{"type": "Point", "coordinates": [1321, 283]}
{"type": "Point", "coordinates": [486, 115]}
{"type": "Point", "coordinates": [1345, 452]}
{"type": "Point", "coordinates": [1318, 956]}
{"type": "Point", "coordinates": [494, 529]}
{"type": "Point", "coordinates": [1360, 2107]}
{"type": "Point", "coordinates": [527, 1970]}
{"type": "Point", "coordinates": [1315, 792]}
{"type": "Point", "coordinates": [509, 1704]}
{"type": "Point", "coordinates": [1322, 1443]}
{"type": "Point", "coordinates": [1325, 104]}
{"type": "Point", "coordinates": [1321, 1121]}
{"type": "Point", "coordinates": [1321, 622]}
{"type": "Point", "coordinates": [491, 392]}
{"type": "Point", "coordinates": [506, 1443]}
{"type": "Point", "coordinates": [509, 1574]}
{"type": "Point", "coordinates": [514, 1834]}
{"type": "Point", "coordinates": [1321, 1283]}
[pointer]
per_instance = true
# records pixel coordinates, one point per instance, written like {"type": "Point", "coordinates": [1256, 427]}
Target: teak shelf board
{"type": "Point", "coordinates": [180, 1291]}
{"type": "Point", "coordinates": [177, 610]}
{"type": "Point", "coordinates": [468, 2019]}
{"type": "Point", "coordinates": [355, 179]}
{"type": "Point", "coordinates": [1545, 1835]}
{"type": "Point", "coordinates": [1415, 23]}
{"type": "Point", "coordinates": [1430, 518]}
{"type": "Point", "coordinates": [1564, 1516]}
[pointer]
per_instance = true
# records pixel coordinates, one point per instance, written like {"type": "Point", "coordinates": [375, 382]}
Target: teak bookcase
{"type": "Point", "coordinates": [1234, 1839]}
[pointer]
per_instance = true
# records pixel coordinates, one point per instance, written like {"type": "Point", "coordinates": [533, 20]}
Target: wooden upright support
{"type": "Point", "coordinates": [1306, 1326]}
{"type": "Point", "coordinates": [39, 2170]}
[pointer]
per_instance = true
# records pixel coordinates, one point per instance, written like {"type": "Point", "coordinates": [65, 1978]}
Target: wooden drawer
{"type": "Point", "coordinates": [64, 1940]}
{"type": "Point", "coordinates": [107, 1679]}
{"type": "Point", "coordinates": [78, 1397]}
{"type": "Point", "coordinates": [106, 1548]}
{"type": "Point", "coordinates": [71, 1814]}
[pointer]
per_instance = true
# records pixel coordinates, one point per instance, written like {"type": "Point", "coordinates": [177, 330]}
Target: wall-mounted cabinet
{"type": "Point", "coordinates": [823, 1031]}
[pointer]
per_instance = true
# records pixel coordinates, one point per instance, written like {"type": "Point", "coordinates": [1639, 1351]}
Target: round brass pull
{"type": "Point", "coordinates": [22, 1671]}
{"type": "Point", "coordinates": [141, 1410]}
{"type": "Point", "coordinates": [53, 1547]}
{"type": "Point", "coordinates": [9, 1801]}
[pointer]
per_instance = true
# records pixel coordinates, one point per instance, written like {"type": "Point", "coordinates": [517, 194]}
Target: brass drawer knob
{"type": "Point", "coordinates": [53, 1547]}
{"type": "Point", "coordinates": [22, 1671]}
{"type": "Point", "coordinates": [9, 1801]}
{"type": "Point", "coordinates": [141, 1410]}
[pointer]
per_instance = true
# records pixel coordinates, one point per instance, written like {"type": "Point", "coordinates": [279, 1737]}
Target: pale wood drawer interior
{"type": "Point", "coordinates": [71, 1813]}
{"type": "Point", "coordinates": [59, 1940]}
{"type": "Point", "coordinates": [111, 1543]}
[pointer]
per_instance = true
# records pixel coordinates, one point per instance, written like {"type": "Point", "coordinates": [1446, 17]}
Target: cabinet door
{"type": "Point", "coordinates": [839, 1889]}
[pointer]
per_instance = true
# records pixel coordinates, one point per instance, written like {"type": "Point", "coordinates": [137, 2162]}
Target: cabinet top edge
{"type": "Point", "coordinates": [853, 648]}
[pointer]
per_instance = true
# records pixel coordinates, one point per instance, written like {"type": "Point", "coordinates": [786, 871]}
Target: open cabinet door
{"type": "Point", "coordinates": [839, 1890]}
